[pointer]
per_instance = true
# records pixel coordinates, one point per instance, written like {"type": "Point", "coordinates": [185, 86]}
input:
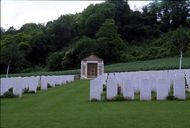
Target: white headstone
{"type": "Point", "coordinates": [162, 89]}
{"type": "Point", "coordinates": [51, 81]}
{"type": "Point", "coordinates": [128, 90]}
{"type": "Point", "coordinates": [18, 87]}
{"type": "Point", "coordinates": [5, 85]}
{"type": "Point", "coordinates": [188, 78]}
{"type": "Point", "coordinates": [135, 83]}
{"type": "Point", "coordinates": [145, 90]}
{"type": "Point", "coordinates": [111, 88]}
{"type": "Point", "coordinates": [33, 84]}
{"type": "Point", "coordinates": [179, 87]}
{"type": "Point", "coordinates": [95, 92]}
{"type": "Point", "coordinates": [43, 83]}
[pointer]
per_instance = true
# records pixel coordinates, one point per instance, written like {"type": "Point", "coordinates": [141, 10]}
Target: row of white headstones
{"type": "Point", "coordinates": [19, 84]}
{"type": "Point", "coordinates": [142, 81]}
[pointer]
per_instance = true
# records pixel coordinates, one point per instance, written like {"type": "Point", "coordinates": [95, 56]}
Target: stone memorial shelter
{"type": "Point", "coordinates": [91, 67]}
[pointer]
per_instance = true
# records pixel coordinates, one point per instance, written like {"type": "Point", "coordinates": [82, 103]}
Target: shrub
{"type": "Point", "coordinates": [118, 98]}
{"type": "Point", "coordinates": [187, 95]}
{"type": "Point", "coordinates": [93, 100]}
{"type": "Point", "coordinates": [26, 90]}
{"type": "Point", "coordinates": [171, 97]}
{"type": "Point", "coordinates": [104, 88]}
{"type": "Point", "coordinates": [49, 86]}
{"type": "Point", "coordinates": [128, 98]}
{"type": "Point", "coordinates": [39, 88]}
{"type": "Point", "coordinates": [31, 92]}
{"type": "Point", "coordinates": [9, 94]}
{"type": "Point", "coordinates": [57, 84]}
{"type": "Point", "coordinates": [119, 90]}
{"type": "Point", "coordinates": [103, 96]}
{"type": "Point", "coordinates": [137, 95]}
{"type": "Point", "coordinates": [153, 94]}
{"type": "Point", "coordinates": [54, 61]}
{"type": "Point", "coordinates": [171, 94]}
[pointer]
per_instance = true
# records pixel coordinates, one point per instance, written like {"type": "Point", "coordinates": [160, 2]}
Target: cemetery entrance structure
{"type": "Point", "coordinates": [91, 67]}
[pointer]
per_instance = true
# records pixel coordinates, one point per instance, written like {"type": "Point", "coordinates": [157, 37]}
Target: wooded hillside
{"type": "Point", "coordinates": [110, 30]}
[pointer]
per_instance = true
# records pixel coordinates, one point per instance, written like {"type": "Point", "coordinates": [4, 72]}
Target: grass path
{"type": "Point", "coordinates": [68, 107]}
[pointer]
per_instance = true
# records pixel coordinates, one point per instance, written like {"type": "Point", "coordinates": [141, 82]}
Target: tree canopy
{"type": "Point", "coordinates": [111, 30]}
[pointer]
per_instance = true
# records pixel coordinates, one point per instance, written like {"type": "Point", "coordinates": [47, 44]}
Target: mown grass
{"type": "Point", "coordinates": [69, 107]}
{"type": "Point", "coordinates": [157, 64]}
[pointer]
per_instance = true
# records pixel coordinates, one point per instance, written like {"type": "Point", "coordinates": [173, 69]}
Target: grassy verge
{"type": "Point", "coordinates": [157, 64]}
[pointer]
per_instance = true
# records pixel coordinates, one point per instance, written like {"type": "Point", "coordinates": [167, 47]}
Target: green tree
{"type": "Point", "coordinates": [31, 28]}
{"type": "Point", "coordinates": [94, 16]}
{"type": "Point", "coordinates": [41, 46]}
{"type": "Point", "coordinates": [110, 45]}
{"type": "Point", "coordinates": [11, 30]}
{"type": "Point", "coordinates": [24, 48]}
{"type": "Point", "coordinates": [181, 39]}
{"type": "Point", "coordinates": [62, 31]}
{"type": "Point", "coordinates": [54, 61]}
{"type": "Point", "coordinates": [10, 55]}
{"type": "Point", "coordinates": [82, 48]}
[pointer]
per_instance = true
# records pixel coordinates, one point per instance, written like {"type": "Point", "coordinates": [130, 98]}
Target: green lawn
{"type": "Point", "coordinates": [157, 64]}
{"type": "Point", "coordinates": [68, 107]}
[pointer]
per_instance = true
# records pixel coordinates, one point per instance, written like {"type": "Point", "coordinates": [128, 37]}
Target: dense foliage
{"type": "Point", "coordinates": [111, 30]}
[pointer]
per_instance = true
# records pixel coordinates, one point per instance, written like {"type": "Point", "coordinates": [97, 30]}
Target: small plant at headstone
{"type": "Point", "coordinates": [153, 94]}
{"type": "Point", "coordinates": [171, 97]}
{"type": "Point", "coordinates": [9, 94]}
{"type": "Point", "coordinates": [128, 98]}
{"type": "Point", "coordinates": [26, 90]}
{"type": "Point", "coordinates": [171, 94]}
{"type": "Point", "coordinates": [137, 95]}
{"type": "Point", "coordinates": [119, 92]}
{"type": "Point", "coordinates": [103, 96]}
{"type": "Point", "coordinates": [57, 84]}
{"type": "Point", "coordinates": [49, 86]}
{"type": "Point", "coordinates": [104, 88]}
{"type": "Point", "coordinates": [39, 88]}
{"type": "Point", "coordinates": [31, 92]}
{"type": "Point", "coordinates": [119, 98]}
{"type": "Point", "coordinates": [93, 100]}
{"type": "Point", "coordinates": [186, 84]}
{"type": "Point", "coordinates": [187, 95]}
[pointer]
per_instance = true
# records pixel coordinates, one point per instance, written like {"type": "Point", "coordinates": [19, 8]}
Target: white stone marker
{"type": "Point", "coordinates": [152, 83]}
{"type": "Point", "coordinates": [128, 90]}
{"type": "Point", "coordinates": [33, 84]}
{"type": "Point", "coordinates": [188, 78]}
{"type": "Point", "coordinates": [4, 85]}
{"type": "Point", "coordinates": [43, 83]}
{"type": "Point", "coordinates": [18, 87]}
{"type": "Point", "coordinates": [162, 89]}
{"type": "Point", "coordinates": [179, 87]}
{"type": "Point", "coordinates": [50, 80]}
{"type": "Point", "coordinates": [26, 81]}
{"type": "Point", "coordinates": [100, 84]}
{"type": "Point", "coordinates": [95, 91]}
{"type": "Point", "coordinates": [145, 90]}
{"type": "Point", "coordinates": [111, 88]}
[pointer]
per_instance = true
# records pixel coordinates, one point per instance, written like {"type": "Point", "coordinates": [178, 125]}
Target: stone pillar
{"type": "Point", "coordinates": [100, 68]}
{"type": "Point", "coordinates": [83, 70]}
